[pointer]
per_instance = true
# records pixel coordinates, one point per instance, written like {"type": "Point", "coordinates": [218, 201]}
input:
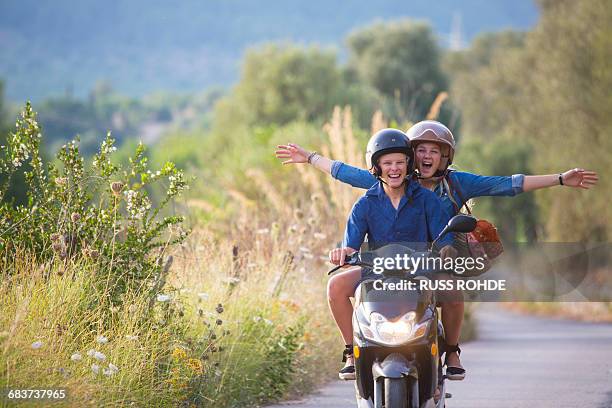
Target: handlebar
{"type": "Point", "coordinates": [351, 260]}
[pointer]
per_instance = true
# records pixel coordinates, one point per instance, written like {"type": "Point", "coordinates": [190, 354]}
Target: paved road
{"type": "Point", "coordinates": [518, 362]}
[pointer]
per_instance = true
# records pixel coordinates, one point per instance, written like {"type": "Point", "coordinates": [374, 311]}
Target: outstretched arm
{"type": "Point", "coordinates": [297, 154]}
{"type": "Point", "coordinates": [577, 178]}
{"type": "Point", "coordinates": [346, 173]}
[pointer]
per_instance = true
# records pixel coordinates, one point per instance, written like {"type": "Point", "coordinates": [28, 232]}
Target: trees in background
{"type": "Point", "coordinates": [548, 92]}
{"type": "Point", "coordinates": [401, 60]}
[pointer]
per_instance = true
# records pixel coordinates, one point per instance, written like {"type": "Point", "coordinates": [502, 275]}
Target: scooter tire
{"type": "Point", "coordinates": [396, 393]}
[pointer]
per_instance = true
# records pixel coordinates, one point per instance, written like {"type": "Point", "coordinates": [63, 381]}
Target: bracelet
{"type": "Point", "coordinates": [560, 179]}
{"type": "Point", "coordinates": [310, 156]}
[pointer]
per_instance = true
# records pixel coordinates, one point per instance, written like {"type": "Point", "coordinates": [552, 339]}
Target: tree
{"type": "Point", "coordinates": [283, 83]}
{"type": "Point", "coordinates": [402, 61]}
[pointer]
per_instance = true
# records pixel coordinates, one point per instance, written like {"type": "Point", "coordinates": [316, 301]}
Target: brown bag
{"type": "Point", "coordinates": [483, 242]}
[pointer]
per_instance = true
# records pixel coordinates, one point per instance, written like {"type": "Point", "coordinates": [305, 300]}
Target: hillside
{"type": "Point", "coordinates": [50, 48]}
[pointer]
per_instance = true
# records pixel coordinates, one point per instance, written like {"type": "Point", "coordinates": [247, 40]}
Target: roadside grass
{"type": "Point", "coordinates": [238, 329]}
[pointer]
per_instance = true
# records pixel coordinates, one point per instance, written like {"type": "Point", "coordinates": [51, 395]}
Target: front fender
{"type": "Point", "coordinates": [394, 365]}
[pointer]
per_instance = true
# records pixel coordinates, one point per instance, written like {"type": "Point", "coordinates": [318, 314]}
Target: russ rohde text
{"type": "Point", "coordinates": [442, 284]}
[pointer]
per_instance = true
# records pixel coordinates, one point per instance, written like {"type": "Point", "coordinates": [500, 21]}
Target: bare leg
{"type": "Point", "coordinates": [339, 290]}
{"type": "Point", "coordinates": [452, 319]}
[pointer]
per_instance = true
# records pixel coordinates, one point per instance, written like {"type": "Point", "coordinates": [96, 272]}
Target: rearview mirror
{"type": "Point", "coordinates": [461, 223]}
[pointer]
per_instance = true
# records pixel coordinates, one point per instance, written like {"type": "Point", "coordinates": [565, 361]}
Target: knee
{"type": "Point", "coordinates": [334, 288]}
{"type": "Point", "coordinates": [453, 304]}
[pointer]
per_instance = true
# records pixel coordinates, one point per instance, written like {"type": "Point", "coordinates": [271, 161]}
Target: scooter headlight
{"type": "Point", "coordinates": [391, 332]}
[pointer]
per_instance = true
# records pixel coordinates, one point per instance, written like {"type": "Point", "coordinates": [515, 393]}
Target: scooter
{"type": "Point", "coordinates": [398, 337]}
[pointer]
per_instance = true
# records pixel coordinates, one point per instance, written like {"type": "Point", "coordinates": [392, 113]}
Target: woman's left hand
{"type": "Point", "coordinates": [580, 178]}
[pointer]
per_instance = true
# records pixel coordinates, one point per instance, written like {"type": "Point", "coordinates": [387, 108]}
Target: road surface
{"type": "Point", "coordinates": [517, 362]}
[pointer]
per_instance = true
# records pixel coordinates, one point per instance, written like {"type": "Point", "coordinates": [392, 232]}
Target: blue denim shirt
{"type": "Point", "coordinates": [417, 220]}
{"type": "Point", "coordinates": [469, 185]}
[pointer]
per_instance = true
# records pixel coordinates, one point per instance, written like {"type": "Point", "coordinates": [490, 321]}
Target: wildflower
{"type": "Point", "coordinates": [251, 265]}
{"type": "Point", "coordinates": [232, 281]}
{"type": "Point", "coordinates": [55, 237]}
{"type": "Point", "coordinates": [131, 337]}
{"type": "Point", "coordinates": [262, 231]}
{"type": "Point", "coordinates": [219, 308]}
{"type": "Point", "coordinates": [116, 187]}
{"type": "Point", "coordinates": [304, 249]}
{"type": "Point", "coordinates": [293, 229]}
{"type": "Point", "coordinates": [179, 353]}
{"type": "Point", "coordinates": [319, 235]}
{"type": "Point", "coordinates": [257, 319]}
{"type": "Point", "coordinates": [94, 253]}
{"type": "Point", "coordinates": [96, 354]}
{"type": "Point", "coordinates": [101, 340]}
{"type": "Point", "coordinates": [268, 322]}
{"type": "Point", "coordinates": [132, 308]}
{"type": "Point", "coordinates": [75, 217]}
{"type": "Point", "coordinates": [195, 365]}
{"type": "Point", "coordinates": [163, 298]}
{"type": "Point", "coordinates": [60, 181]}
{"type": "Point", "coordinates": [37, 344]}
{"type": "Point", "coordinates": [203, 296]}
{"type": "Point", "coordinates": [95, 368]}
{"type": "Point", "coordinates": [76, 357]}
{"type": "Point", "coordinates": [219, 322]}
{"type": "Point", "coordinates": [112, 369]}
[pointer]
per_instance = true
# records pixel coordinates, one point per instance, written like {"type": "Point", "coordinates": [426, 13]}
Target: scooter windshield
{"type": "Point", "coordinates": [391, 286]}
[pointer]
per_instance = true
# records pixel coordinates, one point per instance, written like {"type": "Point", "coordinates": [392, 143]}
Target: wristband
{"type": "Point", "coordinates": [310, 156]}
{"type": "Point", "coordinates": [560, 179]}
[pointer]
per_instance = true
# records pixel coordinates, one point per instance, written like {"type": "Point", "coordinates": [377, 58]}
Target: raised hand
{"type": "Point", "coordinates": [580, 178]}
{"type": "Point", "coordinates": [295, 153]}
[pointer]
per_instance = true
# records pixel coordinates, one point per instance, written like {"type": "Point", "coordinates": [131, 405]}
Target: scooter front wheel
{"type": "Point", "coordinates": [396, 393]}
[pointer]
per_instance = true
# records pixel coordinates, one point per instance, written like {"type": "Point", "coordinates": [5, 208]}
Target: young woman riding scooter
{"type": "Point", "coordinates": [434, 148]}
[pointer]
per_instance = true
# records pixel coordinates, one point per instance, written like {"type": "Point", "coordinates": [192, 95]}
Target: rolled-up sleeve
{"type": "Point", "coordinates": [471, 185]}
{"type": "Point", "coordinates": [356, 225]}
{"type": "Point", "coordinates": [354, 176]}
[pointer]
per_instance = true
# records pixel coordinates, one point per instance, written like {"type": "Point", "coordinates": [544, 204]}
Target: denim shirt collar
{"type": "Point", "coordinates": [377, 190]}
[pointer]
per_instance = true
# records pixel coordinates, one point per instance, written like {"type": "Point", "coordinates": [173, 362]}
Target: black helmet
{"type": "Point", "coordinates": [388, 141]}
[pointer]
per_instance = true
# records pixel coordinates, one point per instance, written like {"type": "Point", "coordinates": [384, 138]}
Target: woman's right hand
{"type": "Point", "coordinates": [295, 153]}
{"type": "Point", "coordinates": [338, 255]}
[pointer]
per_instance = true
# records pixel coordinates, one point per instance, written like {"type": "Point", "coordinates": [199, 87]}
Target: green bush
{"type": "Point", "coordinates": [103, 212]}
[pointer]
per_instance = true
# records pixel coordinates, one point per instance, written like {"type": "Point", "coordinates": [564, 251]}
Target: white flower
{"type": "Point", "coordinates": [319, 235]}
{"type": "Point", "coordinates": [112, 369]}
{"type": "Point", "coordinates": [186, 290]}
{"type": "Point", "coordinates": [96, 354]}
{"type": "Point", "coordinates": [231, 280]}
{"type": "Point", "coordinates": [101, 340]}
{"type": "Point", "coordinates": [76, 357]}
{"type": "Point", "coordinates": [130, 337]}
{"type": "Point", "coordinates": [262, 231]}
{"type": "Point", "coordinates": [257, 319]}
{"type": "Point", "coordinates": [37, 344]}
{"type": "Point", "coordinates": [268, 322]}
{"type": "Point", "coordinates": [95, 368]}
{"type": "Point", "coordinates": [304, 249]}
{"type": "Point", "coordinates": [163, 298]}
{"type": "Point", "coordinates": [203, 296]}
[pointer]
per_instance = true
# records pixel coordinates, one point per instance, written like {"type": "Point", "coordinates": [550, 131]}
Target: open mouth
{"type": "Point", "coordinates": [395, 176]}
{"type": "Point", "coordinates": [427, 165]}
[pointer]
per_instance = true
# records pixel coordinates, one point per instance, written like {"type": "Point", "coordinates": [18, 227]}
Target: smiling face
{"type": "Point", "coordinates": [428, 156]}
{"type": "Point", "coordinates": [394, 168]}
